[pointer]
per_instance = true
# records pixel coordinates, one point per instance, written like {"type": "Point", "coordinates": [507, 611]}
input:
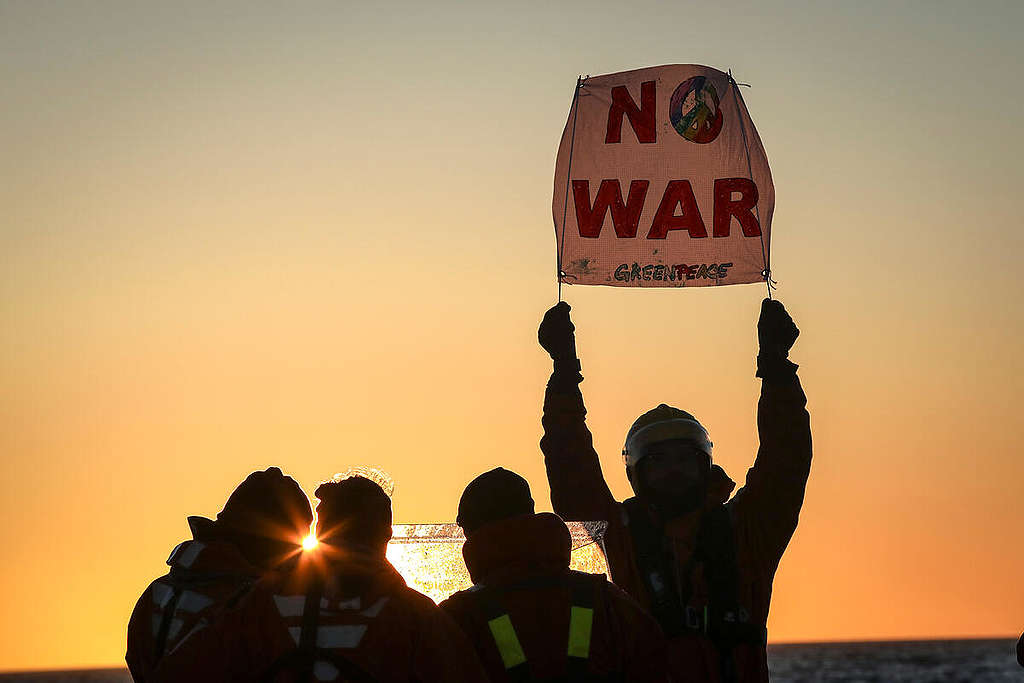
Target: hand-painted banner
{"type": "Point", "coordinates": [662, 182]}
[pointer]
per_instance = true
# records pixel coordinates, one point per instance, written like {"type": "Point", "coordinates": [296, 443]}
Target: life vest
{"type": "Point", "coordinates": [323, 631]}
{"type": "Point", "coordinates": [722, 620]}
{"type": "Point", "coordinates": [490, 603]}
{"type": "Point", "coordinates": [186, 600]}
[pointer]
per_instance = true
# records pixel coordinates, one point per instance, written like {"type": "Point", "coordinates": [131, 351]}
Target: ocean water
{"type": "Point", "coordinates": [967, 661]}
{"type": "Point", "coordinates": [932, 661]}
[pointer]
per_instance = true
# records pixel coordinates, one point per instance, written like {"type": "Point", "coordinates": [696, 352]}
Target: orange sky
{"type": "Point", "coordinates": [252, 235]}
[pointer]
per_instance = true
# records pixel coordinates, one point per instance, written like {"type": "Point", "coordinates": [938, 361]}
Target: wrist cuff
{"type": "Point", "coordinates": [563, 365]}
{"type": "Point", "coordinates": [566, 373]}
{"type": "Point", "coordinates": [774, 366]}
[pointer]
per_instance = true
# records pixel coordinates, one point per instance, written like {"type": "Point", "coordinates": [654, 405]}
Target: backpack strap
{"type": "Point", "coordinates": [716, 548]}
{"type": "Point", "coordinates": [653, 562]}
{"type": "Point", "coordinates": [488, 603]}
{"type": "Point", "coordinates": [310, 626]}
{"type": "Point", "coordinates": [728, 624]}
{"type": "Point", "coordinates": [166, 617]}
{"type": "Point", "coordinates": [582, 593]}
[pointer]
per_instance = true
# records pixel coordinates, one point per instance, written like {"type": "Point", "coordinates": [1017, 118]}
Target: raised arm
{"type": "Point", "coordinates": [767, 508]}
{"type": "Point", "coordinates": [578, 489]}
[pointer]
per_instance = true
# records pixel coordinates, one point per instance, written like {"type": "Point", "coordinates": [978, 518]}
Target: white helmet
{"type": "Point", "coordinates": [663, 423]}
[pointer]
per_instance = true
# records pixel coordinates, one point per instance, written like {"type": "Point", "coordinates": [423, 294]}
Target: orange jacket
{"type": "Point", "coordinates": [206, 575]}
{"type": "Point", "coordinates": [763, 516]}
{"type": "Point", "coordinates": [520, 567]}
{"type": "Point", "coordinates": [367, 620]}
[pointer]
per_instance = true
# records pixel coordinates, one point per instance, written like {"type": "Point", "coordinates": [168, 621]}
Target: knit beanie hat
{"type": "Point", "coordinates": [267, 503]}
{"type": "Point", "coordinates": [492, 496]}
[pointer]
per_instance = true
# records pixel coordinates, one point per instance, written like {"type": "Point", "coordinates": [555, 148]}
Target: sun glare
{"type": "Point", "coordinates": [309, 542]}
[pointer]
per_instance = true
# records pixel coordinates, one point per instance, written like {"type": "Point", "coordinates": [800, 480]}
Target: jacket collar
{"type": "Point", "coordinates": [343, 573]}
{"type": "Point", "coordinates": [202, 528]}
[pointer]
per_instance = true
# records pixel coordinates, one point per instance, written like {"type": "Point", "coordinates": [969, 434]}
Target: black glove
{"type": "Point", "coordinates": [556, 334]}
{"type": "Point", "coordinates": [776, 333]}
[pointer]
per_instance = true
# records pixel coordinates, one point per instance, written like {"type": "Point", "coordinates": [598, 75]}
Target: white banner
{"type": "Point", "coordinates": [662, 181]}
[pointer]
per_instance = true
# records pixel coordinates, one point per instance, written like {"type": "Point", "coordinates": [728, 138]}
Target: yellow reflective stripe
{"type": "Point", "coordinates": [581, 622]}
{"type": "Point", "coordinates": [508, 643]}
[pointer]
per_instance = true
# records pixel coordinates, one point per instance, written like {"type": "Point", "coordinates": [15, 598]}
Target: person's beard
{"type": "Point", "coordinates": [680, 501]}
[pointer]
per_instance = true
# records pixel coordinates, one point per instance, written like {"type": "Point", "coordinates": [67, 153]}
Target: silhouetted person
{"type": "Point", "coordinates": [344, 614]}
{"type": "Point", "coordinates": [260, 527]}
{"type": "Point", "coordinates": [530, 617]}
{"type": "Point", "coordinates": [703, 566]}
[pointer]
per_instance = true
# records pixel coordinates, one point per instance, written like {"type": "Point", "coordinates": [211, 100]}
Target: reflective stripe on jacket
{"type": "Point", "coordinates": [530, 618]}
{"type": "Point", "coordinates": [367, 621]}
{"type": "Point", "coordinates": [205, 577]}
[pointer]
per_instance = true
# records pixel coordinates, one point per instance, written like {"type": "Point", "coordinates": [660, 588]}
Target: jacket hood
{"type": "Point", "coordinates": [204, 529]}
{"type": "Point", "coordinates": [517, 546]}
{"type": "Point", "coordinates": [210, 557]}
{"type": "Point", "coordinates": [259, 550]}
{"type": "Point", "coordinates": [210, 551]}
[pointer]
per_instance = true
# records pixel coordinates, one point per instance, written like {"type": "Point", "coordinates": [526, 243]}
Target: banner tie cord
{"type": "Point", "coordinates": [568, 176]}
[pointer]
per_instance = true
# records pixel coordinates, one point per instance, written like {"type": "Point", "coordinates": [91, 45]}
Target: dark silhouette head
{"type": "Point", "coordinates": [495, 495]}
{"type": "Point", "coordinates": [354, 512]}
{"type": "Point", "coordinates": [668, 460]}
{"type": "Point", "coordinates": [266, 517]}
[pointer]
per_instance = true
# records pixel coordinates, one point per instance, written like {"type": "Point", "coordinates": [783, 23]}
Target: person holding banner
{"type": "Point", "coordinates": [703, 564]}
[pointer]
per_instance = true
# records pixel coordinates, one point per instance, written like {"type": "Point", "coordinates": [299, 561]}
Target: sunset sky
{"type": "Point", "coordinates": [319, 234]}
